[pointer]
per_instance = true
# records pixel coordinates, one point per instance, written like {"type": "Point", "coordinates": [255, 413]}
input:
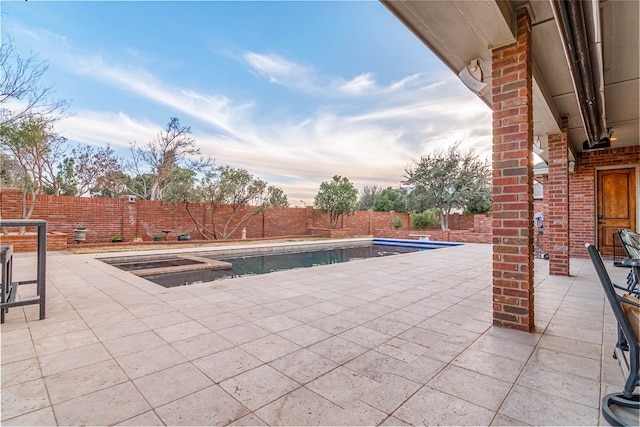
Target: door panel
{"type": "Point", "coordinates": [616, 205]}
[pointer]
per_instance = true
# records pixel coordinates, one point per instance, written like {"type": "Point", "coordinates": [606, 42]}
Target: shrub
{"type": "Point", "coordinates": [397, 223]}
{"type": "Point", "coordinates": [425, 219]}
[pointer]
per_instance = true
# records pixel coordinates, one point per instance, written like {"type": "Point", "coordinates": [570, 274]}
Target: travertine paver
{"type": "Point", "coordinates": [85, 380]}
{"type": "Point", "coordinates": [404, 340]}
{"type": "Point", "coordinates": [257, 387]}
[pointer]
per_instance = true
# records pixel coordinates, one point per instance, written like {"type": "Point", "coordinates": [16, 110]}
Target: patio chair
{"type": "Point", "coordinates": [630, 241]}
{"type": "Point", "coordinates": [626, 310]}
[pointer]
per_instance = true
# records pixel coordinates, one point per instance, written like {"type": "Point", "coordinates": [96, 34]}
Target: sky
{"type": "Point", "coordinates": [295, 92]}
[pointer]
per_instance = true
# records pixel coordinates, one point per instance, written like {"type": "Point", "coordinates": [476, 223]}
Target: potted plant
{"type": "Point", "coordinates": [157, 238]}
{"type": "Point", "coordinates": [80, 234]}
{"type": "Point", "coordinates": [184, 236]}
{"type": "Point", "coordinates": [117, 238]}
{"type": "Point", "coordinates": [137, 239]}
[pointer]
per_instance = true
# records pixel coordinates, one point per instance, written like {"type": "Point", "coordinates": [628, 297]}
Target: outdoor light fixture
{"type": "Point", "coordinates": [603, 143]}
{"type": "Point", "coordinates": [472, 77]}
{"type": "Point", "coordinates": [537, 146]}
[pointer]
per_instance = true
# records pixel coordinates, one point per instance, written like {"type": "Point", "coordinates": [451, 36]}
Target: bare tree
{"type": "Point", "coordinates": [367, 196]}
{"type": "Point", "coordinates": [21, 94]}
{"type": "Point", "coordinates": [87, 170]}
{"type": "Point", "coordinates": [173, 147]}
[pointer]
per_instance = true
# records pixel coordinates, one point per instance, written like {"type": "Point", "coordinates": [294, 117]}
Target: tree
{"type": "Point", "coordinates": [425, 219]}
{"type": "Point", "coordinates": [391, 199]}
{"type": "Point", "coordinates": [238, 189]}
{"type": "Point", "coordinates": [87, 170]}
{"type": "Point", "coordinates": [367, 197]}
{"type": "Point", "coordinates": [173, 147]}
{"type": "Point", "coordinates": [338, 197]}
{"type": "Point", "coordinates": [34, 150]}
{"type": "Point", "coordinates": [479, 203]}
{"type": "Point", "coordinates": [277, 198]}
{"type": "Point", "coordinates": [22, 97]}
{"type": "Point", "coordinates": [447, 180]}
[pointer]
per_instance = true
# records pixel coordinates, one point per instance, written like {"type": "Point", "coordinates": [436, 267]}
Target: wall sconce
{"type": "Point", "coordinates": [472, 77]}
{"type": "Point", "coordinates": [611, 137]}
{"type": "Point", "coordinates": [572, 166]}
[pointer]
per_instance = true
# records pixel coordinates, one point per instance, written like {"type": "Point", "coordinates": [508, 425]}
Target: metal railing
{"type": "Point", "coordinates": [9, 292]}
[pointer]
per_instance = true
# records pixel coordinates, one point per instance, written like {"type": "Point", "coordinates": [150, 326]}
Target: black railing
{"type": "Point", "coordinates": [9, 292]}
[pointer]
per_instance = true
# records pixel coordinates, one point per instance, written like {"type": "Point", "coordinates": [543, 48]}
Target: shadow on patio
{"type": "Point", "coordinates": [400, 340]}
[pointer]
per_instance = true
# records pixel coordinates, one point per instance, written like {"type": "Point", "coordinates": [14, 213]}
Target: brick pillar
{"type": "Point", "coordinates": [513, 181]}
{"type": "Point", "coordinates": [557, 223]}
{"type": "Point", "coordinates": [545, 212]}
{"type": "Point", "coordinates": [129, 218]}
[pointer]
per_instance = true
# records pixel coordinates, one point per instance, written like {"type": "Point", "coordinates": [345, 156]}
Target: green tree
{"type": "Point", "coordinates": [338, 197]}
{"type": "Point", "coordinates": [34, 150]}
{"type": "Point", "coordinates": [447, 180]}
{"type": "Point", "coordinates": [180, 185]}
{"type": "Point", "coordinates": [391, 199]}
{"type": "Point", "coordinates": [425, 219]}
{"type": "Point", "coordinates": [237, 189]}
{"type": "Point", "coordinates": [367, 197]}
{"type": "Point", "coordinates": [480, 202]}
{"type": "Point", "coordinates": [277, 198]}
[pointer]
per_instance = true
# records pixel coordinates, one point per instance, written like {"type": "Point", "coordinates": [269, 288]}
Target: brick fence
{"type": "Point", "coordinates": [105, 218]}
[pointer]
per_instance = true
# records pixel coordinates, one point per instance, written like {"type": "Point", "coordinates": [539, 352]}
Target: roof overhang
{"type": "Point", "coordinates": [458, 31]}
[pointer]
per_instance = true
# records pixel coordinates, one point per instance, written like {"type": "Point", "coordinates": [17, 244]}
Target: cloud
{"type": "Point", "coordinates": [106, 128]}
{"type": "Point", "coordinates": [359, 127]}
{"type": "Point", "coordinates": [360, 84]}
{"type": "Point", "coordinates": [279, 70]}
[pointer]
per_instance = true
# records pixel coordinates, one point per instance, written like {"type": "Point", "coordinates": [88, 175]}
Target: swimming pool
{"type": "Point", "coordinates": [172, 270]}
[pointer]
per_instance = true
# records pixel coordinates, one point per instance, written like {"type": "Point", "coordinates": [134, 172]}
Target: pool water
{"type": "Point", "coordinates": [267, 263]}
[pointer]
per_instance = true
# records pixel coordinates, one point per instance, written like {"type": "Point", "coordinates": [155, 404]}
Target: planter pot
{"type": "Point", "coordinates": [157, 238]}
{"type": "Point", "coordinates": [79, 235]}
{"type": "Point", "coordinates": [117, 240]}
{"type": "Point", "coordinates": [137, 239]}
{"type": "Point", "coordinates": [184, 237]}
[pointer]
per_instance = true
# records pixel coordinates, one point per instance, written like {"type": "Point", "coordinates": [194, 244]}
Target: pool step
{"type": "Point", "coordinates": [200, 263]}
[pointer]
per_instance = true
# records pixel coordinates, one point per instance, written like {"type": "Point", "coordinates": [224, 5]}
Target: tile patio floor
{"type": "Point", "coordinates": [400, 340]}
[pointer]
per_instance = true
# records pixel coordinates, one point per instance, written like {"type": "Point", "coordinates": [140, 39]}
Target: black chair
{"type": "Point", "coordinates": [630, 241]}
{"type": "Point", "coordinates": [627, 350]}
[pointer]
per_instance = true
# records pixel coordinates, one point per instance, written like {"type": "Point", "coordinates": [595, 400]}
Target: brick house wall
{"type": "Point", "coordinates": [582, 197]}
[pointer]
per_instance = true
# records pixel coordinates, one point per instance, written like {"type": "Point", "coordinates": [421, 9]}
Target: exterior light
{"type": "Point", "coordinates": [472, 77]}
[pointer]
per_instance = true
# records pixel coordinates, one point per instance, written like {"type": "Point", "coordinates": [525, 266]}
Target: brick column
{"type": "Point", "coordinates": [557, 224]}
{"type": "Point", "coordinates": [513, 181]}
{"type": "Point", "coordinates": [129, 218]}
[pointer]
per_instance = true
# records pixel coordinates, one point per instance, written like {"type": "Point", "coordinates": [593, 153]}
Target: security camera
{"type": "Point", "coordinates": [472, 77]}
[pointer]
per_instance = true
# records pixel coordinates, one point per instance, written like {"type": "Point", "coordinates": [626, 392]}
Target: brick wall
{"type": "Point", "coordinates": [29, 241]}
{"type": "Point", "coordinates": [105, 218]}
{"type": "Point", "coordinates": [582, 186]}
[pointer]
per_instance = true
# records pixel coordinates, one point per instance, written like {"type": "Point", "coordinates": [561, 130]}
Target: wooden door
{"type": "Point", "coordinates": [616, 207]}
